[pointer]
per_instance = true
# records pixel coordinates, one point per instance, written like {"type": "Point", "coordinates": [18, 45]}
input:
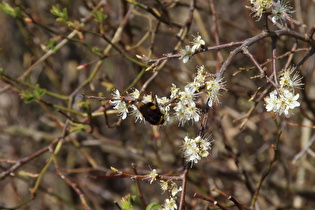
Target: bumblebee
{"type": "Point", "coordinates": [151, 113]}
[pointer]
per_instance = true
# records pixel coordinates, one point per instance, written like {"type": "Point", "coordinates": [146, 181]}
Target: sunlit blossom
{"type": "Point", "coordinates": [195, 149]}
{"type": "Point", "coordinates": [153, 175]}
{"type": "Point", "coordinates": [186, 111]}
{"type": "Point", "coordinates": [135, 93]}
{"type": "Point", "coordinates": [119, 105]}
{"type": "Point", "coordinates": [175, 189]}
{"type": "Point", "coordinates": [165, 109]}
{"type": "Point", "coordinates": [174, 91]}
{"type": "Point", "coordinates": [197, 43]}
{"type": "Point", "coordinates": [136, 113]}
{"type": "Point", "coordinates": [170, 204]}
{"type": "Point", "coordinates": [260, 6]}
{"type": "Point", "coordinates": [186, 53]}
{"type": "Point", "coordinates": [282, 102]}
{"type": "Point", "coordinates": [213, 86]}
{"type": "Point", "coordinates": [290, 79]}
{"type": "Point", "coordinates": [164, 185]}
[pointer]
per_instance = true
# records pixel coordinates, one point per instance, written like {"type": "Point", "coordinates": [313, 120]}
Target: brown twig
{"type": "Point", "coordinates": [216, 34]}
{"type": "Point", "coordinates": [21, 162]}
{"type": "Point", "coordinates": [184, 185]}
{"type": "Point", "coordinates": [267, 170]}
{"type": "Point", "coordinates": [140, 194]}
{"type": "Point", "coordinates": [73, 185]}
{"type": "Point", "coordinates": [196, 195]}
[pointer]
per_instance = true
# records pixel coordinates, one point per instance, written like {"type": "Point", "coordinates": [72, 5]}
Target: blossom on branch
{"type": "Point", "coordinates": [119, 105]}
{"type": "Point", "coordinates": [281, 11]}
{"type": "Point", "coordinates": [282, 103]}
{"type": "Point", "coordinates": [195, 149]}
{"type": "Point", "coordinates": [197, 43]}
{"type": "Point", "coordinates": [278, 10]}
{"type": "Point", "coordinates": [186, 53]}
{"type": "Point", "coordinates": [170, 204]}
{"type": "Point", "coordinates": [283, 100]}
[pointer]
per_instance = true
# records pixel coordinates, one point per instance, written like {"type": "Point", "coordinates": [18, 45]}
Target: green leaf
{"type": "Point", "coordinates": [154, 206]}
{"type": "Point", "coordinates": [127, 202]}
{"type": "Point", "coordinates": [114, 169]}
{"type": "Point", "coordinates": [6, 8]}
{"type": "Point", "coordinates": [31, 95]}
{"type": "Point", "coordinates": [51, 44]}
{"type": "Point", "coordinates": [61, 14]}
{"type": "Point", "coordinates": [77, 128]}
{"type": "Point", "coordinates": [97, 51]}
{"type": "Point", "coordinates": [99, 15]}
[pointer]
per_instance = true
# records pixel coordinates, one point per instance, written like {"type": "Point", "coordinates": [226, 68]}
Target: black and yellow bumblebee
{"type": "Point", "coordinates": [151, 113]}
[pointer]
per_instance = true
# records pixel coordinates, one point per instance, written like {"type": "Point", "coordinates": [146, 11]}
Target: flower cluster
{"type": "Point", "coordinates": [279, 10]}
{"type": "Point", "coordinates": [181, 102]}
{"type": "Point", "coordinates": [173, 189]}
{"type": "Point", "coordinates": [283, 100]}
{"type": "Point", "coordinates": [197, 148]}
{"type": "Point", "coordinates": [185, 109]}
{"type": "Point", "coordinates": [188, 51]}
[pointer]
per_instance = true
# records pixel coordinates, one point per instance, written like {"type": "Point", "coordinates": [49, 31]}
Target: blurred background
{"type": "Point", "coordinates": [52, 52]}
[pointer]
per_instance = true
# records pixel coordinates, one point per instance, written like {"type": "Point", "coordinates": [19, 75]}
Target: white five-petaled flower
{"type": "Point", "coordinates": [170, 204]}
{"type": "Point", "coordinates": [164, 185]}
{"type": "Point", "coordinates": [186, 111]}
{"type": "Point", "coordinates": [199, 80]}
{"type": "Point", "coordinates": [174, 91]}
{"type": "Point", "coordinates": [175, 189]}
{"type": "Point", "coordinates": [201, 75]}
{"type": "Point", "coordinates": [135, 93]}
{"type": "Point", "coordinates": [153, 175]}
{"type": "Point", "coordinates": [213, 86]}
{"type": "Point", "coordinates": [195, 149]}
{"type": "Point", "coordinates": [165, 109]}
{"type": "Point", "coordinates": [260, 6]}
{"type": "Point", "coordinates": [186, 53]}
{"type": "Point", "coordinates": [136, 113]}
{"type": "Point", "coordinates": [119, 105]}
{"type": "Point", "coordinates": [282, 102]}
{"type": "Point", "coordinates": [280, 11]}
{"type": "Point", "coordinates": [290, 79]}
{"type": "Point", "coordinates": [197, 43]}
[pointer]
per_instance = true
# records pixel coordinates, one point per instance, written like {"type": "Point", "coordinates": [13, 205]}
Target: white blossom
{"type": "Point", "coordinates": [119, 105]}
{"type": "Point", "coordinates": [197, 43]}
{"type": "Point", "coordinates": [282, 103]}
{"type": "Point", "coordinates": [213, 86]}
{"type": "Point", "coordinates": [290, 79]}
{"type": "Point", "coordinates": [195, 149]}
{"type": "Point", "coordinates": [153, 175]}
{"type": "Point", "coordinates": [186, 53]}
{"type": "Point", "coordinates": [136, 113]}
{"type": "Point", "coordinates": [280, 11]}
{"type": "Point", "coordinates": [170, 204]}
